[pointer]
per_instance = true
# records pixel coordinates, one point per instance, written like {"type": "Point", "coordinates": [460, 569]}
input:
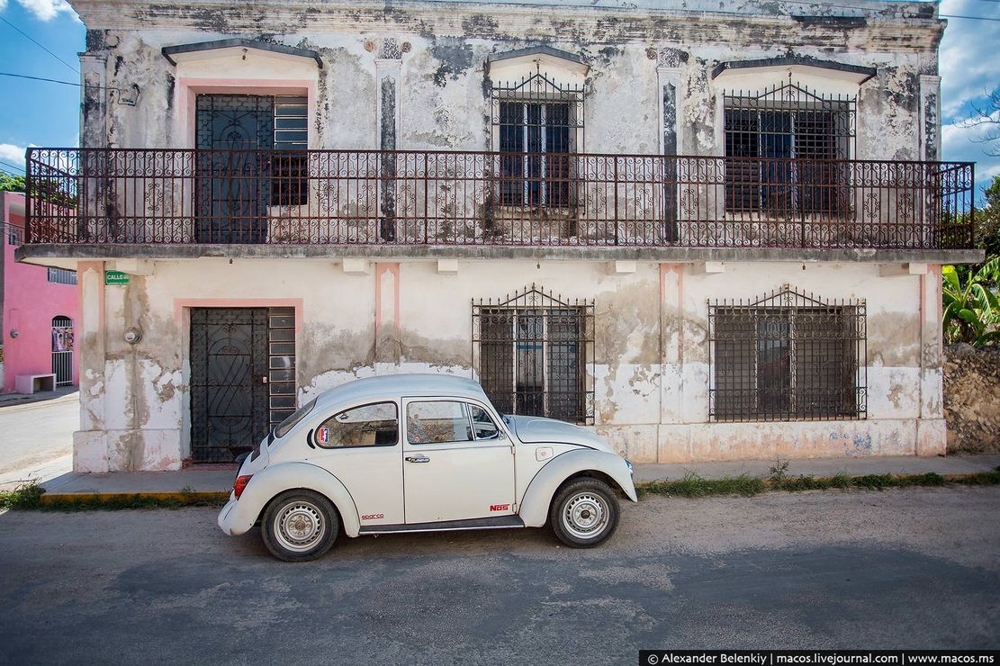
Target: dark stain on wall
{"type": "Point", "coordinates": [456, 58]}
{"type": "Point", "coordinates": [96, 40]}
{"type": "Point", "coordinates": [481, 25]}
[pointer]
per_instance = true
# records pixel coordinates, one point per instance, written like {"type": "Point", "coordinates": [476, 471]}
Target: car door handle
{"type": "Point", "coordinates": [417, 459]}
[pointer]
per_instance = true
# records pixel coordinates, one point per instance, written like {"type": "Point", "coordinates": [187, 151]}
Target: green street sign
{"type": "Point", "coordinates": [115, 277]}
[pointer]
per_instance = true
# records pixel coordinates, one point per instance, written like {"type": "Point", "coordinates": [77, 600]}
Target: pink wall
{"type": "Point", "coordinates": [30, 302]}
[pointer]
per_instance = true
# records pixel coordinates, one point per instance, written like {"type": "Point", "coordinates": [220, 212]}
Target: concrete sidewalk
{"type": "Point", "coordinates": [214, 482]}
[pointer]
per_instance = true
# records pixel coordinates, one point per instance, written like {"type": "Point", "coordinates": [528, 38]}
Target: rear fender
{"type": "Point", "coordinates": [276, 479]}
{"type": "Point", "coordinates": [534, 510]}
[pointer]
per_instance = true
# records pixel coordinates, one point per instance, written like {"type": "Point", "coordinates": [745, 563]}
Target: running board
{"type": "Point", "coordinates": [498, 523]}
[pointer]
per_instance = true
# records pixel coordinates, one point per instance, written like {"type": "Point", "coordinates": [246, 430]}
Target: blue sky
{"type": "Point", "coordinates": [38, 113]}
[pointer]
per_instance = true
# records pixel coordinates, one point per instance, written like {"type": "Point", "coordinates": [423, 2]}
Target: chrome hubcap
{"type": "Point", "coordinates": [585, 515]}
{"type": "Point", "coordinates": [299, 526]}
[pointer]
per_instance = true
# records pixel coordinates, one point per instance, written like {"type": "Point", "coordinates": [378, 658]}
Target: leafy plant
{"type": "Point", "coordinates": [971, 307]}
{"type": "Point", "coordinates": [26, 496]}
{"type": "Point", "coordinates": [11, 183]}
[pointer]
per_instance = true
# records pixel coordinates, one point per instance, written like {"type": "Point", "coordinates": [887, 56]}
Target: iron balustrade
{"type": "Point", "coordinates": [333, 197]}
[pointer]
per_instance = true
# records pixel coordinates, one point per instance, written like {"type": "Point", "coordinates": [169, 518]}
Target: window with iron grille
{"type": "Point", "coordinates": [532, 352]}
{"type": "Point", "coordinates": [537, 127]}
{"type": "Point", "coordinates": [788, 356]}
{"type": "Point", "coordinates": [783, 148]}
{"type": "Point", "coordinates": [236, 126]}
{"type": "Point", "coordinates": [61, 276]}
{"type": "Point", "coordinates": [290, 164]}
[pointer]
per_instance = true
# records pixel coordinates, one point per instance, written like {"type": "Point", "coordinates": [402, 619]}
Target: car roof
{"type": "Point", "coordinates": [405, 385]}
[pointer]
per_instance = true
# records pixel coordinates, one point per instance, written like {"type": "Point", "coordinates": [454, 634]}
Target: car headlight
{"type": "Point", "coordinates": [631, 472]}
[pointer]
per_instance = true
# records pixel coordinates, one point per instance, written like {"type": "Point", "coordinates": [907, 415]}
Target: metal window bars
{"type": "Point", "coordinates": [785, 145]}
{"type": "Point", "coordinates": [788, 356]}
{"type": "Point", "coordinates": [533, 350]}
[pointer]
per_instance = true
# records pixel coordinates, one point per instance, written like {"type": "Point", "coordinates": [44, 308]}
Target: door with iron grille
{"type": "Point", "coordinates": [229, 389]}
{"type": "Point", "coordinates": [234, 136]}
{"type": "Point", "coordinates": [62, 350]}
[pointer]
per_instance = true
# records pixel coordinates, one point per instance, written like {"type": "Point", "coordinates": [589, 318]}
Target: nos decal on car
{"type": "Point", "coordinates": [499, 507]}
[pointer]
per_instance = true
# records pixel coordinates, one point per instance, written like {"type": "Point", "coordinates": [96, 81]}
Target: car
{"type": "Point", "coordinates": [418, 453]}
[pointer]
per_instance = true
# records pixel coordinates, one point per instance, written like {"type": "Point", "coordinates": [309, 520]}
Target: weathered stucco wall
{"type": "Point", "coordinates": [418, 75]}
{"type": "Point", "coordinates": [651, 349]}
{"type": "Point", "coordinates": [435, 56]}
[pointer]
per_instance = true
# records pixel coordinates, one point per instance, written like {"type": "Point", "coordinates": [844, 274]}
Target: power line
{"type": "Point", "coordinates": [971, 18]}
{"type": "Point", "coordinates": [39, 78]}
{"type": "Point", "coordinates": [12, 166]}
{"type": "Point", "coordinates": [64, 83]}
{"type": "Point", "coordinates": [39, 45]}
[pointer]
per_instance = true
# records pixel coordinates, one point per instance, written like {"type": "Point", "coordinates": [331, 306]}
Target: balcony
{"type": "Point", "coordinates": [160, 197]}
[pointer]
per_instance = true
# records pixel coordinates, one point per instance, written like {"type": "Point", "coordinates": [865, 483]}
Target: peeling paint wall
{"type": "Point", "coordinates": [442, 50]}
{"type": "Point", "coordinates": [651, 348]}
{"type": "Point", "coordinates": [416, 75]}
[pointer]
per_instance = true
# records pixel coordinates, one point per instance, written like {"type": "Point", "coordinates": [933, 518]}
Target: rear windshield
{"type": "Point", "coordinates": [285, 426]}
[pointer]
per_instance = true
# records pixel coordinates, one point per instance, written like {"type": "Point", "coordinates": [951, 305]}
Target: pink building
{"type": "Point", "coordinates": [38, 308]}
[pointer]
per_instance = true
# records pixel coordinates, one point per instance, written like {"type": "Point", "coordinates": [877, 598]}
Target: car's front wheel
{"type": "Point", "coordinates": [299, 525]}
{"type": "Point", "coordinates": [584, 513]}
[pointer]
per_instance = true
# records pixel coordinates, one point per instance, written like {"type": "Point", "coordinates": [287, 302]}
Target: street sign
{"type": "Point", "coordinates": [115, 277]}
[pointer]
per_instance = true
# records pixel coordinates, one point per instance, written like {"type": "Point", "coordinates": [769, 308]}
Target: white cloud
{"type": "Point", "coordinates": [967, 59]}
{"type": "Point", "coordinates": [44, 10]}
{"type": "Point", "coordinates": [967, 64]}
{"type": "Point", "coordinates": [12, 154]}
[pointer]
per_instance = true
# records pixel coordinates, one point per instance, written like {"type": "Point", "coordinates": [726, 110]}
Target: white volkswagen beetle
{"type": "Point", "coordinates": [414, 453]}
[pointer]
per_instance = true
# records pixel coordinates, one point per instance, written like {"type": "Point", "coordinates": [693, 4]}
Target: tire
{"type": "Point", "coordinates": [299, 525]}
{"type": "Point", "coordinates": [584, 513]}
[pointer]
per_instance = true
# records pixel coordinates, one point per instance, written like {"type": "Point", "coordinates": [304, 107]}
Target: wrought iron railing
{"type": "Point", "coordinates": [329, 197]}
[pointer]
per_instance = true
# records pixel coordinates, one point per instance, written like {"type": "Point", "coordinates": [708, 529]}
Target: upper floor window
{"type": "Point", "coordinates": [783, 148]}
{"type": "Point", "coordinates": [532, 353]}
{"type": "Point", "coordinates": [231, 125]}
{"type": "Point", "coordinates": [61, 276]}
{"type": "Point", "coordinates": [537, 114]}
{"type": "Point", "coordinates": [788, 356]}
{"type": "Point", "coordinates": [539, 126]}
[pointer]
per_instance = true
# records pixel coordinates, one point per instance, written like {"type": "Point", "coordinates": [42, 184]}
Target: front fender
{"type": "Point", "coordinates": [534, 510]}
{"type": "Point", "coordinates": [239, 516]}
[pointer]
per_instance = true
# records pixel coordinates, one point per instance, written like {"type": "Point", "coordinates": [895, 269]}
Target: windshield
{"type": "Point", "coordinates": [285, 426]}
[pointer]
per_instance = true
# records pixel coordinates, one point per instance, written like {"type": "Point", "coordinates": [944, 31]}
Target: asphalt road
{"type": "Point", "coordinates": [900, 569]}
{"type": "Point", "coordinates": [38, 432]}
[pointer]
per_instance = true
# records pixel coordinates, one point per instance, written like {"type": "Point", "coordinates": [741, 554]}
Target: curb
{"type": "Point", "coordinates": [180, 498]}
{"type": "Point", "coordinates": [219, 498]}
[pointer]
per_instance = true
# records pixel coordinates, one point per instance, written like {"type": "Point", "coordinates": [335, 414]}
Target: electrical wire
{"type": "Point", "coordinates": [39, 45]}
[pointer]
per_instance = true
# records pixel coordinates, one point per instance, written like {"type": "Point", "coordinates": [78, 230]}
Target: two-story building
{"type": "Point", "coordinates": [708, 231]}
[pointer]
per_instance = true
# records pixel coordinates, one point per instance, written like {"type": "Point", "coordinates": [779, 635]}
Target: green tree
{"type": "Point", "coordinates": [971, 307]}
{"type": "Point", "coordinates": [988, 221]}
{"type": "Point", "coordinates": [11, 183]}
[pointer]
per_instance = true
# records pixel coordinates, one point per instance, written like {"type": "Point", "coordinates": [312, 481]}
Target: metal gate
{"type": "Point", "coordinates": [229, 375]}
{"type": "Point", "coordinates": [62, 350]}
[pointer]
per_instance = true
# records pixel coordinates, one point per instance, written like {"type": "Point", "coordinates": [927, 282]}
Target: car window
{"type": "Point", "coordinates": [433, 422]}
{"type": "Point", "coordinates": [286, 426]}
{"type": "Point", "coordinates": [482, 425]}
{"type": "Point", "coordinates": [369, 425]}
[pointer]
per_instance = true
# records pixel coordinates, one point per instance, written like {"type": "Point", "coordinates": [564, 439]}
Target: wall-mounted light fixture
{"type": "Point", "coordinates": [14, 333]}
{"type": "Point", "coordinates": [133, 335]}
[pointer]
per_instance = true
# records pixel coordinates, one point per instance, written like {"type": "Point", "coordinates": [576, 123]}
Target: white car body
{"type": "Point", "coordinates": [506, 478]}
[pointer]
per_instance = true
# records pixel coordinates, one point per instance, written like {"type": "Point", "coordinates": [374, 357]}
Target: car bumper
{"type": "Point", "coordinates": [234, 519]}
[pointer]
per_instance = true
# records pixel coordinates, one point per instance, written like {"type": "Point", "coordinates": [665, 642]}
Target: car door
{"type": "Point", "coordinates": [360, 446]}
{"type": "Point", "coordinates": [458, 464]}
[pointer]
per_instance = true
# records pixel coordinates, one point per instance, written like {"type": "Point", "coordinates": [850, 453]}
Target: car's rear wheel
{"type": "Point", "coordinates": [584, 513]}
{"type": "Point", "coordinates": [299, 525]}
